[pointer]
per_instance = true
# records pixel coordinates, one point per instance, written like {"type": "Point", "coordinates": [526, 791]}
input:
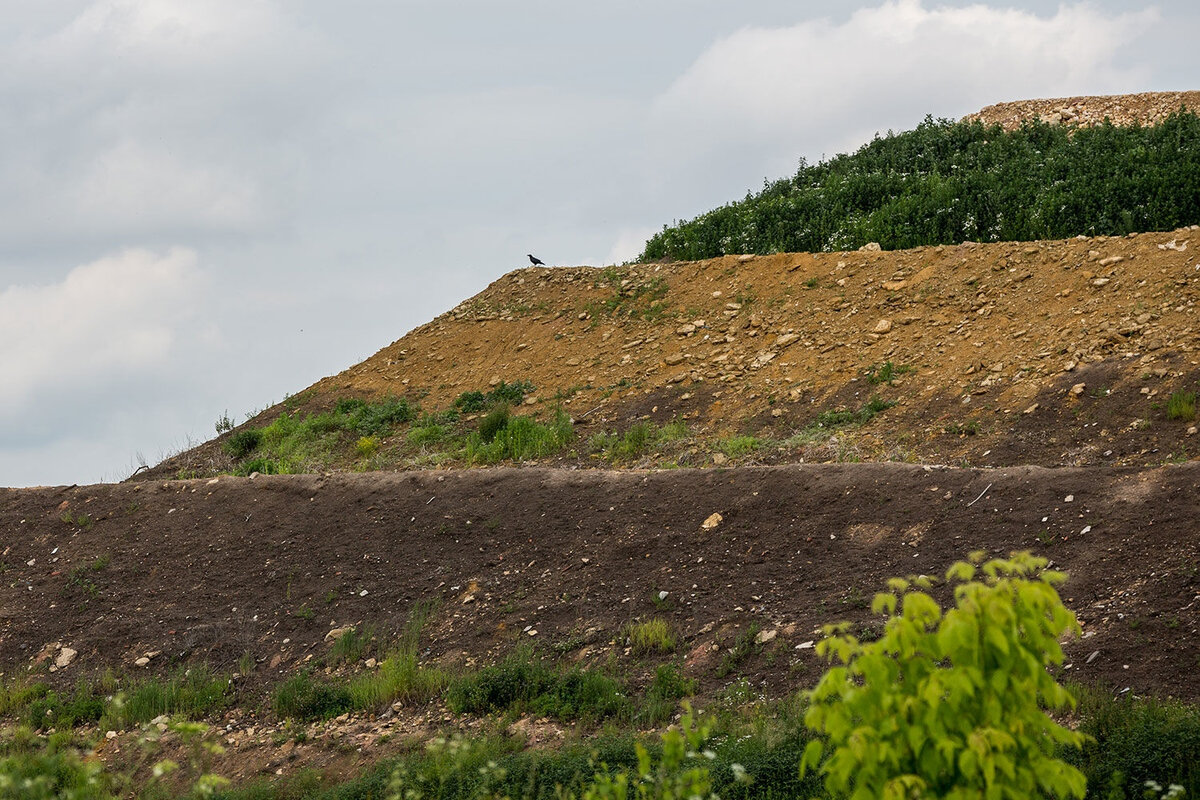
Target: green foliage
{"type": "Point", "coordinates": [650, 636]}
{"type": "Point", "coordinates": [864, 414]}
{"type": "Point", "coordinates": [49, 768]}
{"type": "Point", "coordinates": [886, 372]}
{"type": "Point", "coordinates": [243, 443]}
{"type": "Point", "coordinates": [400, 678]}
{"type": "Point", "coordinates": [1182, 405]}
{"type": "Point", "coordinates": [519, 438]}
{"type": "Point", "coordinates": [951, 705]}
{"type": "Point", "coordinates": [946, 182]}
{"type": "Point", "coordinates": [83, 706]}
{"type": "Point", "coordinates": [352, 646]}
{"type": "Point", "coordinates": [502, 394]}
{"type": "Point", "coordinates": [525, 681]}
{"type": "Point", "coordinates": [366, 446]}
{"type": "Point", "coordinates": [263, 466]}
{"type": "Point", "coordinates": [307, 698]}
{"type": "Point", "coordinates": [1134, 740]}
{"type": "Point", "coordinates": [638, 439]}
{"type": "Point", "coordinates": [494, 422]}
{"type": "Point", "coordinates": [192, 693]}
{"type": "Point", "coordinates": [670, 684]}
{"type": "Point", "coordinates": [681, 771]}
{"type": "Point", "coordinates": [738, 446]}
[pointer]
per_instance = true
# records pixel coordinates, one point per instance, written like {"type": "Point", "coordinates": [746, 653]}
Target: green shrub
{"type": "Point", "coordinates": [470, 402]}
{"type": "Point", "coordinates": [375, 419]}
{"type": "Point", "coordinates": [194, 693]}
{"type": "Point", "coordinates": [263, 466]}
{"type": "Point", "coordinates": [670, 684]}
{"type": "Point", "coordinates": [496, 420]}
{"type": "Point", "coordinates": [864, 414]}
{"type": "Point", "coordinates": [525, 681]}
{"type": "Point", "coordinates": [304, 697]}
{"type": "Point", "coordinates": [243, 443]}
{"type": "Point", "coordinates": [518, 438]}
{"type": "Point", "coordinates": [352, 646]}
{"type": "Point", "coordinates": [366, 446]}
{"type": "Point", "coordinates": [948, 181]}
{"type": "Point", "coordinates": [1134, 740]}
{"type": "Point", "coordinates": [50, 768]}
{"type": "Point", "coordinates": [744, 646]}
{"type": "Point", "coordinates": [53, 710]}
{"type": "Point", "coordinates": [1182, 405]}
{"type": "Point", "coordinates": [953, 705]}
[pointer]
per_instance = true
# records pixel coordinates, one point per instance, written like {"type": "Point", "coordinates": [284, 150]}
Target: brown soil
{"type": "Point", "coordinates": [214, 569]}
{"type": "Point", "coordinates": [208, 570]}
{"type": "Point", "coordinates": [1148, 108]}
{"type": "Point", "coordinates": [995, 336]}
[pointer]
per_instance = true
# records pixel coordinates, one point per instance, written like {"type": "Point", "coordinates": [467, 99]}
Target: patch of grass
{"type": "Point", "coordinates": [738, 446]}
{"type": "Point", "coordinates": [636, 441]}
{"type": "Point", "coordinates": [193, 693]}
{"type": "Point", "coordinates": [744, 646]}
{"type": "Point", "coordinates": [80, 577]}
{"type": "Point", "coordinates": [968, 428]}
{"type": "Point", "coordinates": [263, 466]}
{"type": "Point", "coordinates": [518, 438]}
{"type": "Point", "coordinates": [307, 698]}
{"type": "Point", "coordinates": [864, 414]}
{"type": "Point", "coordinates": [670, 684]}
{"type": "Point", "coordinates": [1135, 740]}
{"type": "Point", "coordinates": [400, 678]}
{"type": "Point", "coordinates": [650, 636]}
{"type": "Point", "coordinates": [352, 646]}
{"type": "Point", "coordinates": [1181, 405]}
{"type": "Point", "coordinates": [243, 443]}
{"type": "Point", "coordinates": [886, 372]}
{"type": "Point", "coordinates": [83, 706]}
{"type": "Point", "coordinates": [524, 681]}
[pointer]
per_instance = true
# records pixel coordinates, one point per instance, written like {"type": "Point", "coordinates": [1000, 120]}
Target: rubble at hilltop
{"type": "Point", "coordinates": [1148, 108]}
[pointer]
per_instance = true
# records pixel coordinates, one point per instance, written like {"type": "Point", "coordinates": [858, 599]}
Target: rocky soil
{"type": "Point", "coordinates": [1148, 108]}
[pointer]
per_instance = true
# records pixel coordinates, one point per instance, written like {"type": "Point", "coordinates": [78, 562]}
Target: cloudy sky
{"type": "Point", "coordinates": [208, 204]}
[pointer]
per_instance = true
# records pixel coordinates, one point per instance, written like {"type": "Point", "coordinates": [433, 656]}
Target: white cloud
{"type": "Point", "coordinates": [800, 90]}
{"type": "Point", "coordinates": [105, 322]}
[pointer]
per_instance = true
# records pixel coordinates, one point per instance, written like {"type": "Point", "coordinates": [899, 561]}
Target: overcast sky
{"type": "Point", "coordinates": [206, 205]}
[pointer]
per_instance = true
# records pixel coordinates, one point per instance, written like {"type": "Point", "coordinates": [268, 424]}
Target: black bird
{"type": "Point", "coordinates": [537, 262]}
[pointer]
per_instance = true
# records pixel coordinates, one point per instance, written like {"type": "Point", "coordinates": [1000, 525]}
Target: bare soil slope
{"type": "Point", "coordinates": [214, 569]}
{"type": "Point", "coordinates": [1147, 108]}
{"type": "Point", "coordinates": [1053, 353]}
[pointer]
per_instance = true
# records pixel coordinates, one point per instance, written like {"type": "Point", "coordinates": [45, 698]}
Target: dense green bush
{"type": "Point", "coordinates": [243, 442]}
{"type": "Point", "coordinates": [951, 706]}
{"type": "Point", "coordinates": [304, 697]}
{"type": "Point", "coordinates": [946, 182]}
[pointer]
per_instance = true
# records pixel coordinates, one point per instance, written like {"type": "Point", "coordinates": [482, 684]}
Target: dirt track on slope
{"type": "Point", "coordinates": [210, 570]}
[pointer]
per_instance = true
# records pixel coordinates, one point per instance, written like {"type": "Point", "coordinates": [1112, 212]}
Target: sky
{"type": "Point", "coordinates": [207, 205]}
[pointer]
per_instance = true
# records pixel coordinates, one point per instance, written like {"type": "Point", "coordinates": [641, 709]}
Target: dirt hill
{"type": "Point", "coordinates": [1148, 108]}
{"type": "Point", "coordinates": [1052, 353]}
{"type": "Point", "coordinates": [1037, 387]}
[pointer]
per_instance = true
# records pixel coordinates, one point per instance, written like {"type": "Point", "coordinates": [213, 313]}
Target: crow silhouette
{"type": "Point", "coordinates": [535, 260]}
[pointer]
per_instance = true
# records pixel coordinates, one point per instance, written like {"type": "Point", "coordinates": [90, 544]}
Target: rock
{"type": "Point", "coordinates": [337, 633]}
{"type": "Point", "coordinates": [744, 258]}
{"type": "Point", "coordinates": [675, 359]}
{"type": "Point", "coordinates": [871, 247]}
{"type": "Point", "coordinates": [720, 458]}
{"type": "Point", "coordinates": [883, 326]}
{"type": "Point", "coordinates": [65, 657]}
{"type": "Point", "coordinates": [1100, 281]}
{"type": "Point", "coordinates": [762, 359]}
{"type": "Point", "coordinates": [714, 519]}
{"type": "Point", "coordinates": [141, 662]}
{"type": "Point", "coordinates": [1108, 262]}
{"type": "Point", "coordinates": [110, 735]}
{"type": "Point", "coordinates": [786, 339]}
{"type": "Point", "coordinates": [1078, 389]}
{"type": "Point", "coordinates": [1191, 431]}
{"type": "Point", "coordinates": [810, 644]}
{"type": "Point", "coordinates": [894, 286]}
{"type": "Point", "coordinates": [1031, 409]}
{"type": "Point", "coordinates": [370, 663]}
{"type": "Point", "coordinates": [766, 636]}
{"type": "Point", "coordinates": [685, 329]}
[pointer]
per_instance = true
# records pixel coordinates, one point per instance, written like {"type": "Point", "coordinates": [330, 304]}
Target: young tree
{"type": "Point", "coordinates": [953, 705]}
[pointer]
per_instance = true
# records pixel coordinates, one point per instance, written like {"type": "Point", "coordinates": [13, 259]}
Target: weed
{"type": "Point", "coordinates": [366, 446]}
{"type": "Point", "coordinates": [496, 420]}
{"type": "Point", "coordinates": [887, 372]}
{"type": "Point", "coordinates": [246, 663]}
{"type": "Point", "coordinates": [519, 439]}
{"type": "Point", "coordinates": [738, 446]}
{"type": "Point", "coordinates": [304, 612]}
{"type": "Point", "coordinates": [744, 646]}
{"type": "Point", "coordinates": [79, 520]}
{"type": "Point", "coordinates": [968, 428]}
{"type": "Point", "coordinates": [352, 646]}
{"type": "Point", "coordinates": [193, 693]}
{"type": "Point", "coordinates": [224, 424]}
{"type": "Point", "coordinates": [263, 466]}
{"type": "Point", "coordinates": [304, 697]}
{"type": "Point", "coordinates": [841, 417]}
{"type": "Point", "coordinates": [811, 283]}
{"type": "Point", "coordinates": [1182, 405]}
{"type": "Point", "coordinates": [650, 636]}
{"type": "Point", "coordinates": [243, 443]}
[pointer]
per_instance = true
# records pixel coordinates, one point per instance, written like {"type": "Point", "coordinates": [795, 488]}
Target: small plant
{"type": "Point", "coordinates": [950, 705]}
{"type": "Point", "coordinates": [738, 446]}
{"type": "Point", "coordinates": [243, 443]}
{"type": "Point", "coordinates": [303, 697]}
{"type": "Point", "coordinates": [670, 684]}
{"type": "Point", "coordinates": [366, 446]}
{"type": "Point", "coordinates": [224, 424]}
{"type": "Point", "coordinates": [246, 663]}
{"type": "Point", "coordinates": [968, 428]}
{"type": "Point", "coordinates": [495, 421]}
{"type": "Point", "coordinates": [1181, 405]}
{"type": "Point", "coordinates": [886, 372]}
{"type": "Point", "coordinates": [304, 612]}
{"type": "Point", "coordinates": [79, 520]}
{"type": "Point", "coordinates": [867, 412]}
{"type": "Point", "coordinates": [744, 646]}
{"type": "Point", "coordinates": [650, 636]}
{"type": "Point", "coordinates": [352, 646]}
